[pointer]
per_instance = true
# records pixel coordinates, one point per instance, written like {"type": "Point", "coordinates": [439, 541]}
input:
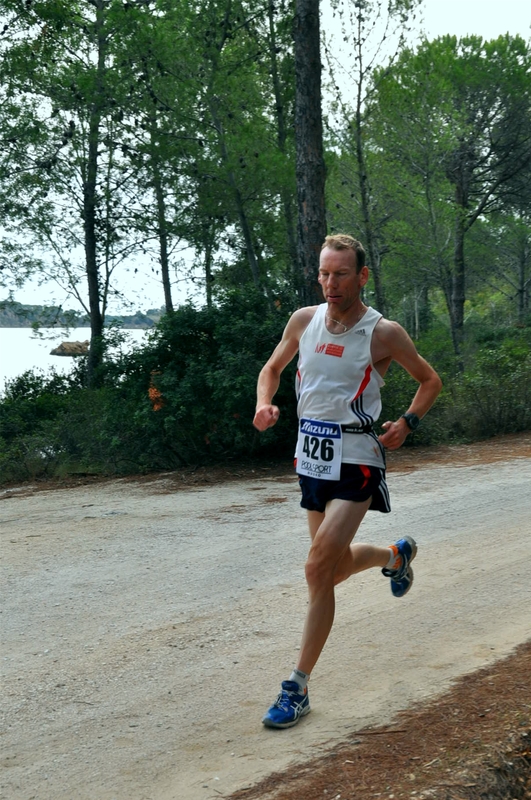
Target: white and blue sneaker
{"type": "Point", "coordinates": [402, 577]}
{"type": "Point", "coordinates": [289, 706]}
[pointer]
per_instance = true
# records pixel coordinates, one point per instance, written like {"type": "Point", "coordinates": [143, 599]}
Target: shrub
{"type": "Point", "coordinates": [205, 365]}
{"type": "Point", "coordinates": [200, 368]}
{"type": "Point", "coordinates": [495, 394]}
{"type": "Point", "coordinates": [31, 405]}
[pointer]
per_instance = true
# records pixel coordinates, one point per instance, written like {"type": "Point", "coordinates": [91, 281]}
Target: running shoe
{"type": "Point", "coordinates": [289, 707]}
{"type": "Point", "coordinates": [402, 578]}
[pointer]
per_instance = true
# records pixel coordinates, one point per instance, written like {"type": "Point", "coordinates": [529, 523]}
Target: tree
{"type": "Point", "coordinates": [68, 182]}
{"type": "Point", "coordinates": [216, 80]}
{"type": "Point", "coordinates": [499, 259]}
{"type": "Point", "coordinates": [464, 109]}
{"type": "Point", "coordinates": [371, 29]}
{"type": "Point", "coordinates": [311, 226]}
{"type": "Point", "coordinates": [145, 126]}
{"type": "Point", "coordinates": [156, 130]}
{"type": "Point", "coordinates": [283, 92]}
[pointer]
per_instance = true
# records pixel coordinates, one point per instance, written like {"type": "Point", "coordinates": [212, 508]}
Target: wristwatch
{"type": "Point", "coordinates": [412, 421]}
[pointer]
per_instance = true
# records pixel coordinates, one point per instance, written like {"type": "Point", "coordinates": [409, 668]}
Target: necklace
{"type": "Point", "coordinates": [331, 319]}
{"type": "Point", "coordinates": [346, 327]}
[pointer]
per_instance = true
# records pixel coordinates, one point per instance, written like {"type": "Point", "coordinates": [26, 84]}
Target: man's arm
{"type": "Point", "coordinates": [269, 379]}
{"type": "Point", "coordinates": [393, 341]}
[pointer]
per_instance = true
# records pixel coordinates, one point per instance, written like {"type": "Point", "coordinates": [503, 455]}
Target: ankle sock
{"type": "Point", "coordinates": [395, 559]}
{"type": "Point", "coordinates": [301, 678]}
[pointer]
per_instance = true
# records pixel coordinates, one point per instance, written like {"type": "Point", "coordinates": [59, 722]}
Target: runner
{"type": "Point", "coordinates": [345, 348]}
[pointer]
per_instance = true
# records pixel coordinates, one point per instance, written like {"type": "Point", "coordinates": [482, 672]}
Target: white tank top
{"type": "Point", "coordinates": [336, 382]}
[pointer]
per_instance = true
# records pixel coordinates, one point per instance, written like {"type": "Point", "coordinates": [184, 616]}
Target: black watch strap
{"type": "Point", "coordinates": [412, 421]}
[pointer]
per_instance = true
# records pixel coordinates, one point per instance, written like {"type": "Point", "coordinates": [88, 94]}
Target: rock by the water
{"type": "Point", "coordinates": [71, 349]}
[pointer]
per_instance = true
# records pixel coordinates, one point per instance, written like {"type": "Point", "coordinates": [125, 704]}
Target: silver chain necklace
{"type": "Point", "coordinates": [331, 319]}
{"type": "Point", "coordinates": [346, 327]}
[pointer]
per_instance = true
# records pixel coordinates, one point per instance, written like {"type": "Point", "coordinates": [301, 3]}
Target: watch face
{"type": "Point", "coordinates": [412, 420]}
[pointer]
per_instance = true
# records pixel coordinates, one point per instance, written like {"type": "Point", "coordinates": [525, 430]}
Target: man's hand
{"type": "Point", "coordinates": [265, 417]}
{"type": "Point", "coordinates": [395, 434]}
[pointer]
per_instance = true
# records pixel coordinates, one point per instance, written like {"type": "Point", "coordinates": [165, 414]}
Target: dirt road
{"type": "Point", "coordinates": [145, 627]}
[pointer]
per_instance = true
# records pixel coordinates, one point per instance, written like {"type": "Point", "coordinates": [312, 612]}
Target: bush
{"type": "Point", "coordinates": [31, 406]}
{"type": "Point", "coordinates": [490, 396]}
{"type": "Point", "coordinates": [188, 397]}
{"type": "Point", "coordinates": [203, 364]}
{"type": "Point", "coordinates": [494, 395]}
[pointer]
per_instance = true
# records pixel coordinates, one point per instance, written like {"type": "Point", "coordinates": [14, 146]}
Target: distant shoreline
{"type": "Point", "coordinates": [19, 315]}
{"type": "Point", "coordinates": [76, 327]}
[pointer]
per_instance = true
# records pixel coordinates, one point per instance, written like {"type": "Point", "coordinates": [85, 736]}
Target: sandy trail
{"type": "Point", "coordinates": [145, 630]}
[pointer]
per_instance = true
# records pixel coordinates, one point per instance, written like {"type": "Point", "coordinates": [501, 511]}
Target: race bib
{"type": "Point", "coordinates": [319, 448]}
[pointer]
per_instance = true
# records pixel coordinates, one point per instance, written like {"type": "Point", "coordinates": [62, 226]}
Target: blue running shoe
{"type": "Point", "coordinates": [402, 578]}
{"type": "Point", "coordinates": [288, 708]}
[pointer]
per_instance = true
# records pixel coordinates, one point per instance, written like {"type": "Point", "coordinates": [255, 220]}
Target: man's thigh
{"type": "Point", "coordinates": [335, 529]}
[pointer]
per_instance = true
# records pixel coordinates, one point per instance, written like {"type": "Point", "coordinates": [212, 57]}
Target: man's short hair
{"type": "Point", "coordinates": [342, 241]}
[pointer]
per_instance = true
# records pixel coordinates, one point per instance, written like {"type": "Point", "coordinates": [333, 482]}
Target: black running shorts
{"type": "Point", "coordinates": [357, 483]}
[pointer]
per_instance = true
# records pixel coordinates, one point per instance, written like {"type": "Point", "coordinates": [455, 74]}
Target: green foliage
{"type": "Point", "coordinates": [494, 395]}
{"type": "Point", "coordinates": [158, 124]}
{"type": "Point", "coordinates": [205, 364]}
{"type": "Point", "coordinates": [448, 154]}
{"type": "Point", "coordinates": [171, 125]}
{"type": "Point", "coordinates": [28, 413]}
{"type": "Point", "coordinates": [490, 396]}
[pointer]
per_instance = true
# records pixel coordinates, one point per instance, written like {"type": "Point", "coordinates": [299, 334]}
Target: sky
{"type": "Point", "coordinates": [487, 18]}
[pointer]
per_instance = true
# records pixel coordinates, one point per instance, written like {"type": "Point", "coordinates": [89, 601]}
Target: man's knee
{"type": "Point", "coordinates": [319, 569]}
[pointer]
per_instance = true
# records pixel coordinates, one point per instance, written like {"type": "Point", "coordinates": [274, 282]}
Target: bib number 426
{"type": "Point", "coordinates": [318, 449]}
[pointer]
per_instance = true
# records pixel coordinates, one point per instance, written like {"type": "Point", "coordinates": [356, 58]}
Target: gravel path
{"type": "Point", "coordinates": [145, 628]}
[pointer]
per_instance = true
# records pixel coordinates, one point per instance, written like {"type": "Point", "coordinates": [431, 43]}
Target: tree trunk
{"type": "Point", "coordinates": [368, 231]}
{"type": "Point", "coordinates": [460, 172]}
{"type": "Point", "coordinates": [368, 235]}
{"type": "Point", "coordinates": [285, 195]}
{"type": "Point", "coordinates": [424, 310]}
{"type": "Point", "coordinates": [246, 230]}
{"type": "Point", "coordinates": [458, 281]}
{"type": "Point", "coordinates": [95, 355]}
{"type": "Point", "coordinates": [209, 243]}
{"type": "Point", "coordinates": [311, 224]}
{"type": "Point", "coordinates": [162, 231]}
{"type": "Point", "coordinates": [524, 282]}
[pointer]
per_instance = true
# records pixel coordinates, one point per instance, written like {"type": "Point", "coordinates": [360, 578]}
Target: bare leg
{"type": "Point", "coordinates": [332, 559]}
{"type": "Point", "coordinates": [356, 558]}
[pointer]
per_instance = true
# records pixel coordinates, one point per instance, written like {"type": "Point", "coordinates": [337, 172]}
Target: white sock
{"type": "Point", "coordinates": [395, 559]}
{"type": "Point", "coordinates": [301, 678]}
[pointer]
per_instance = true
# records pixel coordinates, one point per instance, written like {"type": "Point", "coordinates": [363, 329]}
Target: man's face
{"type": "Point", "coordinates": [340, 282]}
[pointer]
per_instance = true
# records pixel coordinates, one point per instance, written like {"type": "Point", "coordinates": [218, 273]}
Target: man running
{"type": "Point", "coordinates": [345, 348]}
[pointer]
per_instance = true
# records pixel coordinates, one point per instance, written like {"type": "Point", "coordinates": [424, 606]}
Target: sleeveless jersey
{"type": "Point", "coordinates": [336, 382]}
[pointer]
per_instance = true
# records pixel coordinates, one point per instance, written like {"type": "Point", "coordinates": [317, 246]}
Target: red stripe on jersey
{"type": "Point", "coordinates": [364, 383]}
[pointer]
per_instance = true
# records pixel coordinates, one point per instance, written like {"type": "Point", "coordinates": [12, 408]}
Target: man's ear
{"type": "Point", "coordinates": [364, 275]}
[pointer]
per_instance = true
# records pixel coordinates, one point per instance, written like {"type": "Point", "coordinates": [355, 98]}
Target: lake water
{"type": "Point", "coordinates": [21, 350]}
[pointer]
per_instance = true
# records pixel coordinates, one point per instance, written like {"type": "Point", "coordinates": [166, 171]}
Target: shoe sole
{"type": "Point", "coordinates": [412, 543]}
{"type": "Point", "coordinates": [269, 724]}
{"type": "Point", "coordinates": [399, 596]}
